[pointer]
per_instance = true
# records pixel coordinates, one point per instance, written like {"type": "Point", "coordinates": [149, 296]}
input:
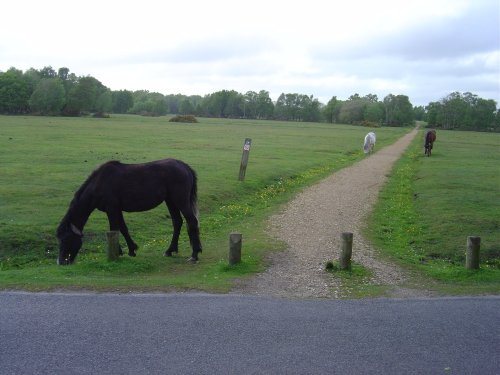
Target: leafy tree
{"type": "Point", "coordinates": [332, 109]}
{"type": "Point", "coordinates": [374, 111]}
{"type": "Point", "coordinates": [398, 110]}
{"type": "Point", "coordinates": [104, 102]}
{"type": "Point", "coordinates": [297, 107]}
{"type": "Point", "coordinates": [353, 110]}
{"type": "Point", "coordinates": [433, 109]}
{"type": "Point", "coordinates": [234, 105]}
{"type": "Point", "coordinates": [265, 106]}
{"type": "Point", "coordinates": [32, 77]}
{"type": "Point", "coordinates": [159, 105]}
{"type": "Point", "coordinates": [354, 97]}
{"type": "Point", "coordinates": [463, 111]}
{"type": "Point", "coordinates": [453, 111]}
{"type": "Point", "coordinates": [250, 104]}
{"type": "Point", "coordinates": [420, 113]}
{"type": "Point", "coordinates": [122, 101]}
{"type": "Point", "coordinates": [47, 72]}
{"type": "Point", "coordinates": [151, 103]}
{"type": "Point", "coordinates": [281, 109]}
{"type": "Point", "coordinates": [15, 91]}
{"type": "Point", "coordinates": [49, 97]}
{"type": "Point", "coordinates": [372, 98]}
{"type": "Point", "coordinates": [86, 96]}
{"type": "Point", "coordinates": [63, 73]}
{"type": "Point", "coordinates": [309, 108]}
{"type": "Point", "coordinates": [186, 108]}
{"type": "Point", "coordinates": [483, 115]}
{"type": "Point", "coordinates": [224, 104]}
{"type": "Point", "coordinates": [174, 102]}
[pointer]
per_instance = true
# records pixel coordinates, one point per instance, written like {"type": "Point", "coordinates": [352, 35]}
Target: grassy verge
{"type": "Point", "coordinates": [44, 161]}
{"type": "Point", "coordinates": [430, 205]}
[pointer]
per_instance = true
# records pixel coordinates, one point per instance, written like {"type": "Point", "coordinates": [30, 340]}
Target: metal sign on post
{"type": "Point", "coordinates": [244, 158]}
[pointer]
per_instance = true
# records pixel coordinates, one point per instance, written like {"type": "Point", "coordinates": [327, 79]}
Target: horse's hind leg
{"type": "Point", "coordinates": [193, 232]}
{"type": "Point", "coordinates": [177, 224]}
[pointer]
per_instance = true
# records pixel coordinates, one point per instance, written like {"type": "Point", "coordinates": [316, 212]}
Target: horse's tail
{"type": "Point", "coordinates": [193, 195]}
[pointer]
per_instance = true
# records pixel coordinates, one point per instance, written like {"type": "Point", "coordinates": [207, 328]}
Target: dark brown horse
{"type": "Point", "coordinates": [430, 137]}
{"type": "Point", "coordinates": [115, 187]}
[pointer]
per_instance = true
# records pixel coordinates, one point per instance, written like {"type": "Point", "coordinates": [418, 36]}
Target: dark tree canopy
{"type": "Point", "coordinates": [48, 91]}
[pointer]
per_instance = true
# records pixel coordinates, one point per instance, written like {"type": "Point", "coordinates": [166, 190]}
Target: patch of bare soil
{"type": "Point", "coordinates": [311, 226]}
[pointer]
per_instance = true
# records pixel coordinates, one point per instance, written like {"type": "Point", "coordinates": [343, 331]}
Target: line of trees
{"type": "Point", "coordinates": [47, 92]}
{"type": "Point", "coordinates": [464, 111]}
{"type": "Point", "coordinates": [50, 92]}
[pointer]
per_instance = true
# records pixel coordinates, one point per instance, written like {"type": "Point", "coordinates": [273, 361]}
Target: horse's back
{"type": "Point", "coordinates": [141, 187]}
{"type": "Point", "coordinates": [153, 170]}
{"type": "Point", "coordinates": [430, 136]}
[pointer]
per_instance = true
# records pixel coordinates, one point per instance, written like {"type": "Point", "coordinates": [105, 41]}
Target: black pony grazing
{"type": "Point", "coordinates": [115, 187]}
{"type": "Point", "coordinates": [430, 137]}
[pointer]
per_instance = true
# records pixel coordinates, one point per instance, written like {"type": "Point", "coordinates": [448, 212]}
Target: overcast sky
{"type": "Point", "coordinates": [423, 49]}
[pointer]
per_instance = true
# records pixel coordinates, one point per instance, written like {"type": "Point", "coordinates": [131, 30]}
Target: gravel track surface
{"type": "Point", "coordinates": [311, 226]}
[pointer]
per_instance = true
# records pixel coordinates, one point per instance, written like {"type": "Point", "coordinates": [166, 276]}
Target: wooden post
{"type": "Point", "coordinates": [472, 255]}
{"type": "Point", "coordinates": [346, 251]}
{"type": "Point", "coordinates": [244, 158]}
{"type": "Point", "coordinates": [234, 248]}
{"type": "Point", "coordinates": [113, 245]}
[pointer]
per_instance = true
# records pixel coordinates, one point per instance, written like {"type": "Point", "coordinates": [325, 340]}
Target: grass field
{"type": "Point", "coordinates": [423, 217]}
{"type": "Point", "coordinates": [45, 159]}
{"type": "Point", "coordinates": [431, 205]}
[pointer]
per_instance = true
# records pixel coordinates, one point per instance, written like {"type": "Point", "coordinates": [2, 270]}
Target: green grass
{"type": "Point", "coordinates": [430, 206]}
{"type": "Point", "coordinates": [356, 282]}
{"type": "Point", "coordinates": [45, 159]}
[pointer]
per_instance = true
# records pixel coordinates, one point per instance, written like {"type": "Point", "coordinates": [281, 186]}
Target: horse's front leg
{"type": "Point", "coordinates": [117, 222]}
{"type": "Point", "coordinates": [177, 224]}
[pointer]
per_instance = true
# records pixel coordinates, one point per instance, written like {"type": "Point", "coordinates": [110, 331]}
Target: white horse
{"type": "Point", "coordinates": [370, 139]}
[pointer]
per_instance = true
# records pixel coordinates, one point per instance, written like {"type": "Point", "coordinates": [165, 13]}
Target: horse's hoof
{"type": "Point", "coordinates": [131, 254]}
{"type": "Point", "coordinates": [168, 253]}
{"type": "Point", "coordinates": [192, 260]}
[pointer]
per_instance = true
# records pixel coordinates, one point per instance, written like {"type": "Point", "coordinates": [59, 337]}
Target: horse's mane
{"type": "Point", "coordinates": [84, 186]}
{"type": "Point", "coordinates": [64, 224]}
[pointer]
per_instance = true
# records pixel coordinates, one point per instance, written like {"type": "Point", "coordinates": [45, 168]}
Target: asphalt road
{"type": "Point", "coordinates": [43, 333]}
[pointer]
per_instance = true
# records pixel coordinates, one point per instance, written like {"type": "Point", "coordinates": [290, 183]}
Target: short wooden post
{"type": "Point", "coordinates": [234, 248]}
{"type": "Point", "coordinates": [346, 251]}
{"type": "Point", "coordinates": [113, 238]}
{"type": "Point", "coordinates": [472, 255]}
{"type": "Point", "coordinates": [244, 158]}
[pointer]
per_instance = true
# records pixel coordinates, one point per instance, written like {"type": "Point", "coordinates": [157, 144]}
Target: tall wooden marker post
{"type": "Point", "coordinates": [244, 158]}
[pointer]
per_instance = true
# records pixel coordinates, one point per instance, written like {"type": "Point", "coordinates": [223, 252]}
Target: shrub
{"type": "Point", "coordinates": [184, 118]}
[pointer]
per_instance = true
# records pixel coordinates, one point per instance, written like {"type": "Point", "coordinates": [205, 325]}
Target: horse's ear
{"type": "Point", "coordinates": [75, 230]}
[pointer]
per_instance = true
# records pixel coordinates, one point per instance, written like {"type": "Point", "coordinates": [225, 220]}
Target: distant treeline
{"type": "Point", "coordinates": [49, 92]}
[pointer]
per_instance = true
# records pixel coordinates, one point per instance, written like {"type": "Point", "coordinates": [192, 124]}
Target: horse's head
{"type": "Point", "coordinates": [70, 242]}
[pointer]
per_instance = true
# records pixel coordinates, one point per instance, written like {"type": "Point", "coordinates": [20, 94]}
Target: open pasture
{"type": "Point", "coordinates": [432, 204]}
{"type": "Point", "coordinates": [45, 159]}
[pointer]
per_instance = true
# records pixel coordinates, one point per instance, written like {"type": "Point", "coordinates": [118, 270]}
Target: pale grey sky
{"type": "Point", "coordinates": [424, 49]}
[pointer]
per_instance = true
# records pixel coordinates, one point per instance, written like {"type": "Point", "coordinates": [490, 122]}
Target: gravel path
{"type": "Point", "coordinates": [311, 226]}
